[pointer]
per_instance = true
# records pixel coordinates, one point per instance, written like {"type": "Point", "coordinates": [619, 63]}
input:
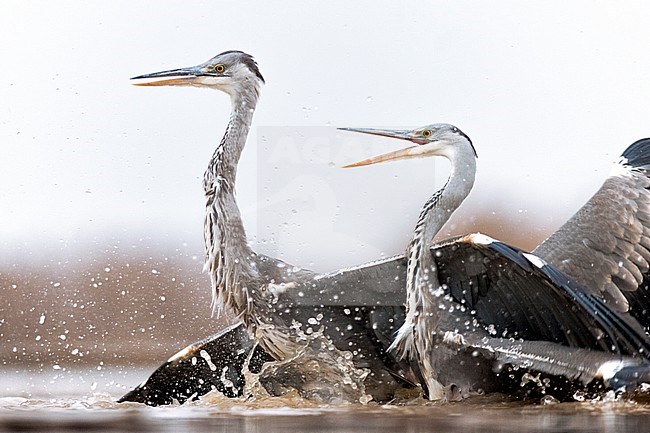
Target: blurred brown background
{"type": "Point", "coordinates": [137, 305]}
{"type": "Point", "coordinates": [128, 303]}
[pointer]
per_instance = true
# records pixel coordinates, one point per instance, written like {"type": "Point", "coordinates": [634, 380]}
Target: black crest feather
{"type": "Point", "coordinates": [247, 60]}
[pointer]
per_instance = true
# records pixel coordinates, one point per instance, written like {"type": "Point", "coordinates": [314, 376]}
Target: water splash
{"type": "Point", "coordinates": [318, 373]}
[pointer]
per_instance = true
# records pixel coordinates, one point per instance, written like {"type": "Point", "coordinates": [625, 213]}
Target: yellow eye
{"type": "Point", "coordinates": [219, 68]}
{"type": "Point", "coordinates": [426, 133]}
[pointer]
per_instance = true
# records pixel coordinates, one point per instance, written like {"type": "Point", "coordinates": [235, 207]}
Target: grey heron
{"type": "Point", "coordinates": [439, 322]}
{"type": "Point", "coordinates": [264, 293]}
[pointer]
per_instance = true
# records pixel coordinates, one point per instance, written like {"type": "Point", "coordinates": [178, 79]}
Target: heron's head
{"type": "Point", "coordinates": [231, 72]}
{"type": "Point", "coordinates": [439, 139]}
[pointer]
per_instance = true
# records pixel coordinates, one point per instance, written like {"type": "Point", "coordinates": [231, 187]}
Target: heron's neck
{"type": "Point", "coordinates": [229, 259]}
{"type": "Point", "coordinates": [439, 208]}
{"type": "Point", "coordinates": [223, 165]}
{"type": "Point", "coordinates": [421, 272]}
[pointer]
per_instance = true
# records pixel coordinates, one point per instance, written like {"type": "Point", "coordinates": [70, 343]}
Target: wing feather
{"type": "Point", "coordinates": [605, 246]}
{"type": "Point", "coordinates": [509, 291]}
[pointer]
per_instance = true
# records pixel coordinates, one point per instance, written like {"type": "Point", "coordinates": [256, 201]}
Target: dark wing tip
{"type": "Point", "coordinates": [638, 154]}
{"type": "Point", "coordinates": [626, 338]}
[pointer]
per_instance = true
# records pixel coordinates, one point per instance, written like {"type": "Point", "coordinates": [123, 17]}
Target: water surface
{"type": "Point", "coordinates": [61, 400]}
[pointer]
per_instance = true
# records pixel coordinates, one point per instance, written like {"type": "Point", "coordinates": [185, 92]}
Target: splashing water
{"type": "Point", "coordinates": [319, 374]}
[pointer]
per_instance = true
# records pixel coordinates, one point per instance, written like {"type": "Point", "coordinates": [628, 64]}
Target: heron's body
{"type": "Point", "coordinates": [234, 268]}
{"type": "Point", "coordinates": [422, 282]}
{"type": "Point", "coordinates": [439, 317]}
{"type": "Point", "coordinates": [260, 291]}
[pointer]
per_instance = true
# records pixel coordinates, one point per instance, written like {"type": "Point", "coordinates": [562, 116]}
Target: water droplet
{"type": "Point", "coordinates": [549, 399]}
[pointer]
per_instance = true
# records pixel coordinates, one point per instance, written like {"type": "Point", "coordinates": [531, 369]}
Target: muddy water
{"type": "Point", "coordinates": [60, 400]}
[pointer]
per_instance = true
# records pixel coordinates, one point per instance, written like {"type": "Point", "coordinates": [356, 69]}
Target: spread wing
{"type": "Point", "coordinates": [512, 292]}
{"type": "Point", "coordinates": [216, 362]}
{"type": "Point", "coordinates": [605, 246]}
{"type": "Point", "coordinates": [382, 282]}
{"type": "Point", "coordinates": [517, 295]}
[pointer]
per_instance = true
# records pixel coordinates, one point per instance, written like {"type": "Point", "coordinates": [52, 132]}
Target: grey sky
{"type": "Point", "coordinates": [550, 92]}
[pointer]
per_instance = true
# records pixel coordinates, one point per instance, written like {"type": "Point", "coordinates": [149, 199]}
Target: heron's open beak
{"type": "Point", "coordinates": [175, 77]}
{"type": "Point", "coordinates": [391, 156]}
